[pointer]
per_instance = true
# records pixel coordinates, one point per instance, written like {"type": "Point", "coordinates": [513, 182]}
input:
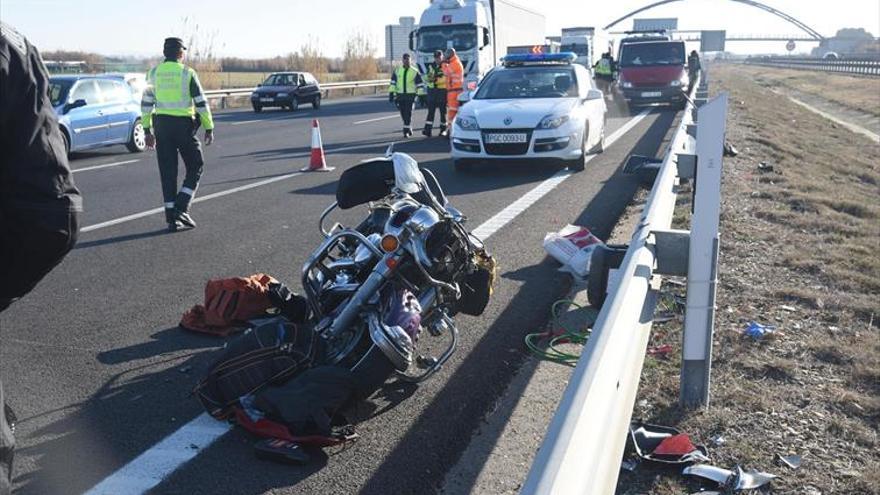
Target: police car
{"type": "Point", "coordinates": [534, 106]}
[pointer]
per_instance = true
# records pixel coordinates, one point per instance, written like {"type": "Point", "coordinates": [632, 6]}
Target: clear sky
{"type": "Point", "coordinates": [261, 28]}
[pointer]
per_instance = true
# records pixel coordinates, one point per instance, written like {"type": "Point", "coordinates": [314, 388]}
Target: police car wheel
{"type": "Point", "coordinates": [600, 146]}
{"type": "Point", "coordinates": [580, 163]}
{"type": "Point", "coordinates": [258, 109]}
{"type": "Point", "coordinates": [294, 104]}
{"type": "Point", "coordinates": [316, 103]}
{"type": "Point", "coordinates": [137, 142]}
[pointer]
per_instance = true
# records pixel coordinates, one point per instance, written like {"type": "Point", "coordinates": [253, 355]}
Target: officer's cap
{"type": "Point", "coordinates": [174, 43]}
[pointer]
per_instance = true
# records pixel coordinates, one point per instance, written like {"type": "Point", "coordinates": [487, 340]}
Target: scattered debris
{"type": "Point", "coordinates": [647, 440]}
{"type": "Point", "coordinates": [765, 167]}
{"type": "Point", "coordinates": [677, 445]}
{"type": "Point", "coordinates": [664, 317]}
{"type": "Point", "coordinates": [729, 149]}
{"type": "Point", "coordinates": [630, 464]}
{"type": "Point", "coordinates": [790, 309]}
{"type": "Point", "coordinates": [573, 247]}
{"type": "Point", "coordinates": [792, 461]}
{"type": "Point", "coordinates": [730, 480]}
{"type": "Point", "coordinates": [718, 440]}
{"type": "Point", "coordinates": [660, 351]}
{"type": "Point", "coordinates": [758, 331]}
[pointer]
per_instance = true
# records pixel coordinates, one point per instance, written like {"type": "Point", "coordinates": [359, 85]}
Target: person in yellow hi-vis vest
{"type": "Point", "coordinates": [169, 106]}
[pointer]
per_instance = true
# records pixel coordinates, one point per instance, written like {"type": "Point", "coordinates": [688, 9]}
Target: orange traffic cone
{"type": "Point", "coordinates": [317, 163]}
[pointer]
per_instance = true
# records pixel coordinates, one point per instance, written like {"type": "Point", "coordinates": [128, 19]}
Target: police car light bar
{"type": "Point", "coordinates": [523, 58]}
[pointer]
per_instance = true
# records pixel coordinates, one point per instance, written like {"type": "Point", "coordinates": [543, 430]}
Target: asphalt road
{"type": "Point", "coordinates": [98, 372]}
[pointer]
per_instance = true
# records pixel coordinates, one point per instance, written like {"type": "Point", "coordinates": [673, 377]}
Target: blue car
{"type": "Point", "coordinates": [96, 111]}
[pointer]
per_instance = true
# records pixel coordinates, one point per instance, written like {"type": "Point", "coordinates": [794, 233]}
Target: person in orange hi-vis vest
{"type": "Point", "coordinates": [454, 72]}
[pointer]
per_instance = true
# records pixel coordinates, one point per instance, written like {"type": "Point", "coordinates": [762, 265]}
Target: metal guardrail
{"type": "Point", "coordinates": [326, 88]}
{"type": "Point", "coordinates": [584, 444]}
{"type": "Point", "coordinates": [846, 66]}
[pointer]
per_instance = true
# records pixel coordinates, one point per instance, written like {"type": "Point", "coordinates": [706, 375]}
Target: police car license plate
{"type": "Point", "coordinates": [651, 94]}
{"type": "Point", "coordinates": [267, 99]}
{"type": "Point", "coordinates": [506, 138]}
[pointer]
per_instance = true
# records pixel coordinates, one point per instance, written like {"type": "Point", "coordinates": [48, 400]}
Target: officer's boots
{"type": "Point", "coordinates": [171, 219]}
{"type": "Point", "coordinates": [181, 209]}
{"type": "Point", "coordinates": [427, 130]}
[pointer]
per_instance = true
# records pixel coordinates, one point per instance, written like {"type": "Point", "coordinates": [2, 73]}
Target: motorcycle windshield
{"type": "Point", "coordinates": [407, 176]}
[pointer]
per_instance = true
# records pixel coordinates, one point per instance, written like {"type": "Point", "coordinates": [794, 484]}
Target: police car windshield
{"type": "Point", "coordinates": [544, 81]}
{"type": "Point", "coordinates": [438, 38]}
{"type": "Point", "coordinates": [58, 90]}
{"type": "Point", "coordinates": [644, 54]}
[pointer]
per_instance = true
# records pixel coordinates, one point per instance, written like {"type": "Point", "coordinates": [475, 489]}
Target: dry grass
{"type": "Point", "coordinates": [801, 251]}
{"type": "Point", "coordinates": [857, 93]}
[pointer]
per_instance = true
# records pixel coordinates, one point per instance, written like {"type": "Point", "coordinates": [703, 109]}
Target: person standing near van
{"type": "Point", "coordinates": [694, 68]}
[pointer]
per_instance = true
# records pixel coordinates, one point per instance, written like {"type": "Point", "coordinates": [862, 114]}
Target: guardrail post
{"type": "Point", "coordinates": [703, 256]}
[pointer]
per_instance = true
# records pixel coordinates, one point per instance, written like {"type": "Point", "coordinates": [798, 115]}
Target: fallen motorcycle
{"type": "Point", "coordinates": [380, 300]}
{"type": "Point", "coordinates": [409, 266]}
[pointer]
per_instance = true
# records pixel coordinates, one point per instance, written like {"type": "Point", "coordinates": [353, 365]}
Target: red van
{"type": "Point", "coordinates": [653, 72]}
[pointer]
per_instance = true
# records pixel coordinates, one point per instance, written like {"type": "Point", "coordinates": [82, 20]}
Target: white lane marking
{"type": "Point", "coordinates": [854, 128]}
{"type": "Point", "coordinates": [270, 119]}
{"type": "Point", "coordinates": [150, 468]}
{"type": "Point", "coordinates": [199, 199]}
{"type": "Point", "coordinates": [375, 120]}
{"type": "Point", "coordinates": [106, 165]}
{"type": "Point", "coordinates": [513, 210]}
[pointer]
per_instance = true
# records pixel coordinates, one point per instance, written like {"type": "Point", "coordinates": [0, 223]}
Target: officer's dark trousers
{"type": "Point", "coordinates": [405, 102]}
{"type": "Point", "coordinates": [7, 443]}
{"type": "Point", "coordinates": [178, 135]}
{"type": "Point", "coordinates": [436, 101]}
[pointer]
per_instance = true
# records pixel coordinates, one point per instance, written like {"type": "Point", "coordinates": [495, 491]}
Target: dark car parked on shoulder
{"type": "Point", "coordinates": [287, 90]}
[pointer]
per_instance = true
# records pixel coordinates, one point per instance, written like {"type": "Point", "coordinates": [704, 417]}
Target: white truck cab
{"type": "Point", "coordinates": [479, 30]}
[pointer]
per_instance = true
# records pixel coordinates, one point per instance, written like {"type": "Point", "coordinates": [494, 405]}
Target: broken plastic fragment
{"type": "Point", "coordinates": [646, 439]}
{"type": "Point", "coordinates": [675, 445]}
{"type": "Point", "coordinates": [792, 461]}
{"type": "Point", "coordinates": [758, 331]}
{"type": "Point", "coordinates": [752, 479]}
{"type": "Point", "coordinates": [713, 473]}
{"type": "Point", "coordinates": [737, 480]}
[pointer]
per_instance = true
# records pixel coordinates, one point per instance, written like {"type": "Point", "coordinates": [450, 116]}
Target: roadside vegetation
{"type": "Point", "coordinates": [800, 250]}
{"type": "Point", "coordinates": [856, 93]}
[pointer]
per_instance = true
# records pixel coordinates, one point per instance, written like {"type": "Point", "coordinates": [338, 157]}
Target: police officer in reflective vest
{"type": "Point", "coordinates": [406, 83]}
{"type": "Point", "coordinates": [604, 71]}
{"type": "Point", "coordinates": [169, 106]}
{"type": "Point", "coordinates": [436, 81]}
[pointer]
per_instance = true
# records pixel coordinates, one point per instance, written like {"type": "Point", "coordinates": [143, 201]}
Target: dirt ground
{"type": "Point", "coordinates": [799, 251]}
{"type": "Point", "coordinates": [856, 93]}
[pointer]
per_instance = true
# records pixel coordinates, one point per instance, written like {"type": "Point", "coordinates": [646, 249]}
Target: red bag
{"type": "Point", "coordinates": [229, 303]}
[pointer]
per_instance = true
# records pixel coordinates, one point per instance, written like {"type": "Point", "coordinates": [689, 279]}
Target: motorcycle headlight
{"type": "Point", "coordinates": [552, 121]}
{"type": "Point", "coordinates": [676, 83]}
{"type": "Point", "coordinates": [467, 123]}
{"type": "Point", "coordinates": [625, 84]}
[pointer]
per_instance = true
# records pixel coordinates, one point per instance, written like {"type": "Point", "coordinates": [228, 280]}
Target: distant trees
{"type": "Point", "coordinates": [359, 60]}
